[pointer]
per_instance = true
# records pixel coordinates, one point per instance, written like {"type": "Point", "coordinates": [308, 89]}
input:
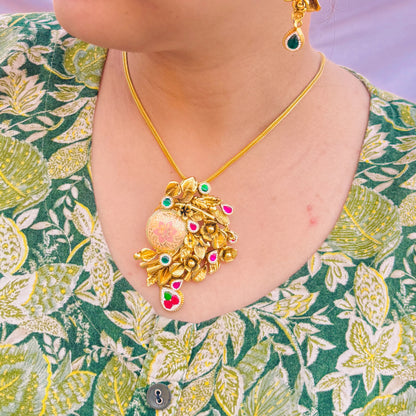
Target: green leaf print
{"type": "Point", "coordinates": [410, 183]}
{"type": "Point", "coordinates": [254, 362]}
{"type": "Point", "coordinates": [68, 160]}
{"type": "Point", "coordinates": [336, 274]}
{"type": "Point", "coordinates": [406, 354]}
{"type": "Point", "coordinates": [375, 144]}
{"type": "Point", "coordinates": [341, 388]}
{"type": "Point", "coordinates": [85, 62]}
{"type": "Point", "coordinates": [371, 294]}
{"type": "Point", "coordinates": [13, 245]}
{"type": "Point", "coordinates": [69, 390]}
{"type": "Point", "coordinates": [8, 41]}
{"type": "Point", "coordinates": [24, 180]}
{"type": "Point", "coordinates": [196, 395]}
{"type": "Point", "coordinates": [143, 317]}
{"type": "Point", "coordinates": [175, 350]}
{"type": "Point", "coordinates": [368, 226]}
{"type": "Point", "coordinates": [402, 405]}
{"type": "Point", "coordinates": [138, 324]}
{"type": "Point", "coordinates": [25, 377]}
{"type": "Point", "coordinates": [45, 325]}
{"type": "Point", "coordinates": [102, 279]}
{"type": "Point", "coordinates": [81, 128]}
{"type": "Point", "coordinates": [408, 211]}
{"type": "Point", "coordinates": [370, 354]}
{"type": "Point", "coordinates": [229, 390]}
{"type": "Point", "coordinates": [14, 292]}
{"type": "Point", "coordinates": [66, 92]}
{"type": "Point", "coordinates": [270, 396]}
{"type": "Point", "coordinates": [20, 94]}
{"type": "Point", "coordinates": [235, 327]}
{"type": "Point", "coordinates": [114, 390]}
{"type": "Point", "coordinates": [407, 114]}
{"type": "Point", "coordinates": [54, 285]}
{"type": "Point", "coordinates": [82, 219]}
{"type": "Point", "coordinates": [213, 346]}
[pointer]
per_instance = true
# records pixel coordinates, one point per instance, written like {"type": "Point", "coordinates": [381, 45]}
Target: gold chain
{"type": "Point", "coordinates": [267, 130]}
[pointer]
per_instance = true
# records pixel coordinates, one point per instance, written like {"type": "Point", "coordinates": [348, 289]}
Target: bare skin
{"type": "Point", "coordinates": [211, 78]}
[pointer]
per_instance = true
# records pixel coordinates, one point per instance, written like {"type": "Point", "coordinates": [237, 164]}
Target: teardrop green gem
{"type": "Point", "coordinates": [293, 42]}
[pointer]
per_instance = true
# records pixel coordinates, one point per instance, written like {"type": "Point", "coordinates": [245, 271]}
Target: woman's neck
{"type": "Point", "coordinates": [240, 83]}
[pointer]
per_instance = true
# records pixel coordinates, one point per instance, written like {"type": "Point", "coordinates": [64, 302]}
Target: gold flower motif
{"type": "Point", "coordinates": [210, 231]}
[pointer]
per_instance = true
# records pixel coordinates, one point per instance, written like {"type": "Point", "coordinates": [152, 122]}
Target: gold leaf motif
{"type": "Point", "coordinates": [197, 216]}
{"type": "Point", "coordinates": [146, 254]}
{"type": "Point", "coordinates": [163, 277]}
{"type": "Point", "coordinates": [176, 270]}
{"type": "Point", "coordinates": [151, 279]}
{"type": "Point", "coordinates": [219, 241]}
{"type": "Point", "coordinates": [200, 251]}
{"type": "Point", "coordinates": [173, 189]}
{"type": "Point", "coordinates": [200, 276]}
{"type": "Point", "coordinates": [189, 185]}
{"type": "Point", "coordinates": [212, 268]}
{"type": "Point", "coordinates": [222, 218]}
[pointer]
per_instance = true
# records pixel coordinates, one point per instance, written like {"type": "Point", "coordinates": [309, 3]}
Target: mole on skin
{"type": "Point", "coordinates": [312, 219]}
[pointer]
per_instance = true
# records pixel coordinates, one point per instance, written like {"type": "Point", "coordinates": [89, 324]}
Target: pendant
{"type": "Point", "coordinates": [190, 235]}
{"type": "Point", "coordinates": [294, 39]}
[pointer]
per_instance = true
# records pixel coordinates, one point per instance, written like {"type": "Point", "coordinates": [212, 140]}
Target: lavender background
{"type": "Point", "coordinates": [376, 38]}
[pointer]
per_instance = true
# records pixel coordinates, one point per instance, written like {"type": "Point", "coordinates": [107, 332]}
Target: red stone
{"type": "Point", "coordinates": [193, 227]}
{"type": "Point", "coordinates": [168, 304]}
{"type": "Point", "coordinates": [175, 300]}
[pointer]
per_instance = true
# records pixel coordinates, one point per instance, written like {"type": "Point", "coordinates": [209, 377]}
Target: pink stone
{"type": "Point", "coordinates": [228, 209]}
{"type": "Point", "coordinates": [176, 285]}
{"type": "Point", "coordinates": [193, 227]}
{"type": "Point", "coordinates": [212, 258]}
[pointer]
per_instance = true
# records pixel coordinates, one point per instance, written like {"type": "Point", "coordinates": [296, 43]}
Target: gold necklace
{"type": "Point", "coordinates": [189, 230]}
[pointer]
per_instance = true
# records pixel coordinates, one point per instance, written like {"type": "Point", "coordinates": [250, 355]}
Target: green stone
{"type": "Point", "coordinates": [167, 202]}
{"type": "Point", "coordinates": [167, 296]}
{"type": "Point", "coordinates": [204, 187]}
{"type": "Point", "coordinates": [293, 42]}
{"type": "Point", "coordinates": [165, 259]}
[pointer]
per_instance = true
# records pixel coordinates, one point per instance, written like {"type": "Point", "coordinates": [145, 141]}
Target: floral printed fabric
{"type": "Point", "coordinates": [75, 339]}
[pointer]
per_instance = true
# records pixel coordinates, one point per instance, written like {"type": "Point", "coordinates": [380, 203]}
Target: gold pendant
{"type": "Point", "coordinates": [190, 235]}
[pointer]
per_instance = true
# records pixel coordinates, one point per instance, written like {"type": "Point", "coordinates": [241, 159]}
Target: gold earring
{"type": "Point", "coordinates": [294, 39]}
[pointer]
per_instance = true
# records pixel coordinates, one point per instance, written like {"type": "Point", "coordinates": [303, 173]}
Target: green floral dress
{"type": "Point", "coordinates": [75, 339]}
